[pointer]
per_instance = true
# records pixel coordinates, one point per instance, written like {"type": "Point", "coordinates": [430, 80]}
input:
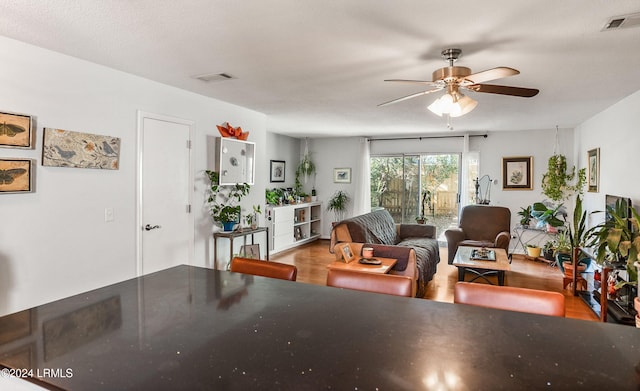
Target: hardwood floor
{"type": "Point", "coordinates": [312, 260]}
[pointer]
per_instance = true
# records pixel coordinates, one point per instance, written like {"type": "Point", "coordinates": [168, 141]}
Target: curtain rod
{"type": "Point", "coordinates": [425, 137]}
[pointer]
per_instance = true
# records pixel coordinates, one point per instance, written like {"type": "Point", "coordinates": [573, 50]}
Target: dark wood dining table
{"type": "Point", "coordinates": [191, 328]}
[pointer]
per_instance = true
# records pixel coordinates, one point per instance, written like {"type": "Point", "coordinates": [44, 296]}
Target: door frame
{"type": "Point", "coordinates": [139, 179]}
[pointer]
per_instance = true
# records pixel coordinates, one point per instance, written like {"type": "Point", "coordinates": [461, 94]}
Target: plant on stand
{"type": "Point", "coordinates": [617, 241]}
{"type": "Point", "coordinates": [525, 216]}
{"type": "Point", "coordinates": [224, 201]}
{"type": "Point", "coordinates": [338, 205]}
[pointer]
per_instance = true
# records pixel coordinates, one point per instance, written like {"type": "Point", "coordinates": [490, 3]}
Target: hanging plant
{"type": "Point", "coordinates": [557, 181]}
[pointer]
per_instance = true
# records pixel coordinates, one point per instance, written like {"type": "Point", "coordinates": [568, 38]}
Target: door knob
{"type": "Point", "coordinates": [149, 227]}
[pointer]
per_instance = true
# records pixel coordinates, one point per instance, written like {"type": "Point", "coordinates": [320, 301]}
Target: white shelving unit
{"type": "Point", "coordinates": [293, 225]}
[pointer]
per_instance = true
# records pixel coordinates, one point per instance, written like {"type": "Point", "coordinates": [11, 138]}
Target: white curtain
{"type": "Point", "coordinates": [362, 197]}
{"type": "Point", "coordinates": [465, 180]}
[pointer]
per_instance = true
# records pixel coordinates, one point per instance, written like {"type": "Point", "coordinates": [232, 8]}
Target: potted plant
{"type": "Point", "coordinates": [548, 250]}
{"type": "Point", "coordinates": [525, 216]}
{"type": "Point", "coordinates": [274, 196]}
{"type": "Point", "coordinates": [548, 216]}
{"type": "Point", "coordinates": [533, 250]}
{"type": "Point", "coordinates": [224, 201]}
{"type": "Point", "coordinates": [252, 218]}
{"type": "Point", "coordinates": [617, 241]}
{"type": "Point", "coordinates": [338, 204]}
{"type": "Point", "coordinates": [423, 203]}
{"type": "Point", "coordinates": [557, 181]}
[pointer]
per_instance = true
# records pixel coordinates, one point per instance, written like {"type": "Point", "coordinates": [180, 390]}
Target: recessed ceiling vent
{"type": "Point", "coordinates": [213, 77]}
{"type": "Point", "coordinates": [622, 22]}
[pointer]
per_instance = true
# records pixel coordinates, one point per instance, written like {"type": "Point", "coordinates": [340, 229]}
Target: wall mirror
{"type": "Point", "coordinates": [235, 161]}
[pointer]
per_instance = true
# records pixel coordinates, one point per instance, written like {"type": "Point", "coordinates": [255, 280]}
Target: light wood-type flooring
{"type": "Point", "coordinates": [312, 260]}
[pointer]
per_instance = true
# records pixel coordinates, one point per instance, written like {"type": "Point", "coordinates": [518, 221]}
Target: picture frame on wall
{"type": "Point", "coordinates": [593, 176]}
{"type": "Point", "coordinates": [342, 175]}
{"type": "Point", "coordinates": [16, 130]}
{"type": "Point", "coordinates": [277, 170]}
{"type": "Point", "coordinates": [16, 175]}
{"type": "Point", "coordinates": [517, 173]}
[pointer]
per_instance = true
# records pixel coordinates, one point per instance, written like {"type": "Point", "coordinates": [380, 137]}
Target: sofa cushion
{"type": "Point", "coordinates": [375, 227]}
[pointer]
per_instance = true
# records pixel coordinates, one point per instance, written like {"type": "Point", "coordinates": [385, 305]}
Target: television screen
{"type": "Point", "coordinates": [611, 201]}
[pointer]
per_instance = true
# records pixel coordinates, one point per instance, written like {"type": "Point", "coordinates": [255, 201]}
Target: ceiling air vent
{"type": "Point", "coordinates": [213, 77]}
{"type": "Point", "coordinates": [622, 22]}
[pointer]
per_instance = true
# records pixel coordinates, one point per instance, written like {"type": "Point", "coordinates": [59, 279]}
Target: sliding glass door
{"type": "Point", "coordinates": [410, 186]}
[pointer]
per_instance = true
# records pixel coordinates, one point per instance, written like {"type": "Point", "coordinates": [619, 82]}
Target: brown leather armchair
{"type": "Point", "coordinates": [480, 226]}
{"type": "Point", "coordinates": [510, 298]}
{"type": "Point", "coordinates": [264, 268]}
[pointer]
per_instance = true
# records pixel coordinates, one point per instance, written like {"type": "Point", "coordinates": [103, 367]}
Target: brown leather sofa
{"type": "Point", "coordinates": [480, 226]}
{"type": "Point", "coordinates": [371, 282]}
{"type": "Point", "coordinates": [413, 245]}
{"type": "Point", "coordinates": [264, 268]}
{"type": "Point", "coordinates": [510, 298]}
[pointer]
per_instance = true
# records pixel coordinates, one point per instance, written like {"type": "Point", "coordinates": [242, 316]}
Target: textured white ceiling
{"type": "Point", "coordinates": [316, 68]}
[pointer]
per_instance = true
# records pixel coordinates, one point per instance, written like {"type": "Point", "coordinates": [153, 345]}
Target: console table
{"type": "Point", "coordinates": [231, 235]}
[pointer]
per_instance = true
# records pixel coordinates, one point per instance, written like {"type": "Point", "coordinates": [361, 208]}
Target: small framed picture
{"type": "Point", "coordinates": [251, 251]}
{"type": "Point", "coordinates": [341, 175]}
{"type": "Point", "coordinates": [346, 251]}
{"type": "Point", "coordinates": [16, 175]}
{"type": "Point", "coordinates": [277, 170]}
{"type": "Point", "coordinates": [593, 178]}
{"type": "Point", "coordinates": [517, 173]}
{"type": "Point", "coordinates": [16, 130]}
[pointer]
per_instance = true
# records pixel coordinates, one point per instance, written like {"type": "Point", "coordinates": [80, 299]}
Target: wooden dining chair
{"type": "Point", "coordinates": [510, 298]}
{"type": "Point", "coordinates": [370, 282]}
{"type": "Point", "coordinates": [264, 268]}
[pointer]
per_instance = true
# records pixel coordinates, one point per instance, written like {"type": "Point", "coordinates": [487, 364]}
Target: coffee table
{"type": "Point", "coordinates": [481, 269]}
{"type": "Point", "coordinates": [384, 267]}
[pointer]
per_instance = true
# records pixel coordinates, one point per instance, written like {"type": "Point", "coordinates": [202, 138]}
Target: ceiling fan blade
{"type": "Point", "coordinates": [491, 74]}
{"type": "Point", "coordinates": [504, 90]}
{"type": "Point", "coordinates": [413, 81]}
{"type": "Point", "coordinates": [409, 97]}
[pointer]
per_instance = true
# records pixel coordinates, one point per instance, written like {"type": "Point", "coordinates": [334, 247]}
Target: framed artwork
{"type": "Point", "coordinates": [16, 130]}
{"type": "Point", "coordinates": [277, 170]}
{"type": "Point", "coordinates": [341, 175]}
{"type": "Point", "coordinates": [251, 251]}
{"type": "Point", "coordinates": [16, 175]}
{"type": "Point", "coordinates": [346, 251]}
{"type": "Point", "coordinates": [593, 178]}
{"type": "Point", "coordinates": [517, 173]}
{"type": "Point", "coordinates": [64, 148]}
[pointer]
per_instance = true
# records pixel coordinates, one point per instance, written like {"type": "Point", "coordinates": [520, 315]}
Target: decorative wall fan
{"type": "Point", "coordinates": [453, 79]}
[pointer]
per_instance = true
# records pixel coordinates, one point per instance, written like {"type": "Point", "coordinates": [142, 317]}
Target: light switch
{"type": "Point", "coordinates": [108, 214]}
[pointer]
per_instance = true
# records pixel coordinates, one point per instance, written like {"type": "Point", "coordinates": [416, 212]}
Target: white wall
{"type": "Point", "coordinates": [54, 242]}
{"type": "Point", "coordinates": [285, 148]}
{"type": "Point", "coordinates": [616, 132]}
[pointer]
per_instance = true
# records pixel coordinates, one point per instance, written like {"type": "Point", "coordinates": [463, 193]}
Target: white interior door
{"type": "Point", "coordinates": [165, 222]}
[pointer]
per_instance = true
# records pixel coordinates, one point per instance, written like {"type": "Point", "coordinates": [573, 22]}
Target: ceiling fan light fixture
{"type": "Point", "coordinates": [454, 104]}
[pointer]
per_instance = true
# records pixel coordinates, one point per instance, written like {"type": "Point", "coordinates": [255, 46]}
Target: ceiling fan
{"type": "Point", "coordinates": [454, 79]}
